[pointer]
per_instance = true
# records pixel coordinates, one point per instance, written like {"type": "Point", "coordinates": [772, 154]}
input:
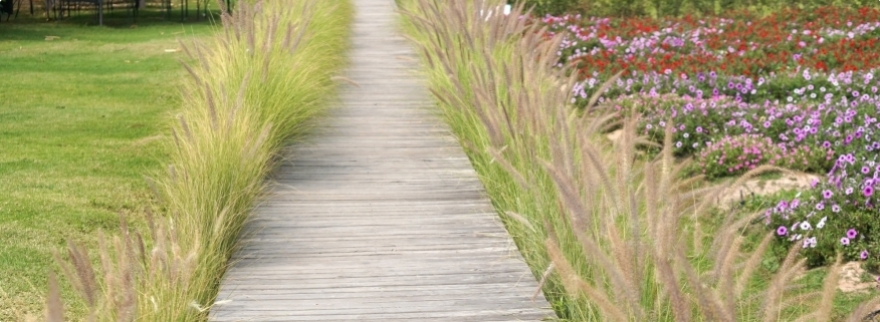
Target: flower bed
{"type": "Point", "coordinates": [797, 89]}
{"type": "Point", "coordinates": [739, 43]}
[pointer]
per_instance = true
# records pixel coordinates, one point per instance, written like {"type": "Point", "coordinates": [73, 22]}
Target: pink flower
{"type": "Point", "coordinates": [851, 233]}
{"type": "Point", "coordinates": [781, 231]}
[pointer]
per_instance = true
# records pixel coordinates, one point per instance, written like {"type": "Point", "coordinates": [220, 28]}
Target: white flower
{"type": "Point", "coordinates": [821, 222]}
{"type": "Point", "coordinates": [806, 225]}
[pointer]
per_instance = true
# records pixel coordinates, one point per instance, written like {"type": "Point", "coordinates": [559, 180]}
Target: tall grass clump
{"type": "Point", "coordinates": [613, 234]}
{"type": "Point", "coordinates": [251, 90]}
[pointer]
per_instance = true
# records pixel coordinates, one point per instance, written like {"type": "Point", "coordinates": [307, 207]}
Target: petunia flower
{"type": "Point", "coordinates": [806, 225]}
{"type": "Point", "coordinates": [781, 231]}
{"type": "Point", "coordinates": [810, 242]}
{"type": "Point", "coordinates": [851, 233]}
{"type": "Point", "coordinates": [827, 194]}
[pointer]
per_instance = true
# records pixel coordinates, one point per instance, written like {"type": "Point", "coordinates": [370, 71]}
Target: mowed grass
{"type": "Point", "coordinates": [82, 119]}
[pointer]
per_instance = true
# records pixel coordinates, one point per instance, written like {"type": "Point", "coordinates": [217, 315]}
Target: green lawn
{"type": "Point", "coordinates": [82, 119]}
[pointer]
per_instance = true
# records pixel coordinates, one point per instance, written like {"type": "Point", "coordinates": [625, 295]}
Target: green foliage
{"type": "Point", "coordinates": [552, 7]}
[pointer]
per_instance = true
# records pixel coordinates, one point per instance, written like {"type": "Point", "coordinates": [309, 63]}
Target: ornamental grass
{"type": "Point", "coordinates": [252, 89]}
{"type": "Point", "coordinates": [613, 234]}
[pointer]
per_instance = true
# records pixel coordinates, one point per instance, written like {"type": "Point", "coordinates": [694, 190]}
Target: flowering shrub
{"type": "Point", "coordinates": [733, 155]}
{"type": "Point", "coordinates": [736, 154]}
{"type": "Point", "coordinates": [839, 215]}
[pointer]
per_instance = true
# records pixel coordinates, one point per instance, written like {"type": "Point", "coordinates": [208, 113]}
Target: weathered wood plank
{"type": "Point", "coordinates": [378, 215]}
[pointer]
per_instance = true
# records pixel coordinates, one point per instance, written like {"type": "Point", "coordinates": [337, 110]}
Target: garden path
{"type": "Point", "coordinates": [380, 215]}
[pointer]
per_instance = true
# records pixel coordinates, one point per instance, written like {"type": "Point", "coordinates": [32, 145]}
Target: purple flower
{"type": "Point", "coordinates": [820, 206]}
{"type": "Point", "coordinates": [835, 208]}
{"type": "Point", "coordinates": [863, 254]}
{"type": "Point", "coordinates": [865, 170]}
{"type": "Point", "coordinates": [844, 241]}
{"type": "Point", "coordinates": [781, 231]}
{"type": "Point", "coordinates": [827, 194]}
{"type": "Point", "coordinates": [868, 191]}
{"type": "Point", "coordinates": [851, 233]}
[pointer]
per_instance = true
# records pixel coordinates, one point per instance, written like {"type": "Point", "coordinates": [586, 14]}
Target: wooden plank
{"type": "Point", "coordinates": [378, 215]}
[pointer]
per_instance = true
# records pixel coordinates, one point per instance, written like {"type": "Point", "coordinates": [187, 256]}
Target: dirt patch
{"type": "Point", "coordinates": [614, 135]}
{"type": "Point", "coordinates": [852, 279]}
{"type": "Point", "coordinates": [763, 186]}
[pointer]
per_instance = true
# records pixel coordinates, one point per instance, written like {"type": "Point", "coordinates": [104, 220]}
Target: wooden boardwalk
{"type": "Point", "coordinates": [379, 216]}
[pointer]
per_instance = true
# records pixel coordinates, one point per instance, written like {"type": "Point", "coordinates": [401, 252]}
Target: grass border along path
{"type": "Point", "coordinates": [613, 235]}
{"type": "Point", "coordinates": [252, 89]}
